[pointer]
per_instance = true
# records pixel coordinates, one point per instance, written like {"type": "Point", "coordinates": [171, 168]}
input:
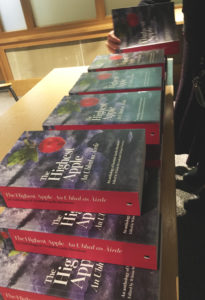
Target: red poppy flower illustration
{"type": "Point", "coordinates": [116, 57]}
{"type": "Point", "coordinates": [51, 144]}
{"type": "Point", "coordinates": [132, 19]}
{"type": "Point", "coordinates": [89, 101]}
{"type": "Point", "coordinates": [4, 234]}
{"type": "Point", "coordinates": [104, 76]}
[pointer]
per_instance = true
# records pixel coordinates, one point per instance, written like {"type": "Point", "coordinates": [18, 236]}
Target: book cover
{"type": "Point", "coordinates": [109, 111]}
{"type": "Point", "coordinates": [42, 277]}
{"type": "Point", "coordinates": [78, 170]}
{"type": "Point", "coordinates": [130, 60]}
{"type": "Point", "coordinates": [132, 80]}
{"type": "Point", "coordinates": [146, 27]}
{"type": "Point", "coordinates": [118, 239]}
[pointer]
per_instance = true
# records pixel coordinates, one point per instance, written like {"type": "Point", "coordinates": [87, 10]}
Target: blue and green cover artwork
{"type": "Point", "coordinates": [142, 229]}
{"type": "Point", "coordinates": [83, 160]}
{"type": "Point", "coordinates": [119, 81]}
{"type": "Point", "coordinates": [146, 25]}
{"type": "Point", "coordinates": [74, 279]}
{"type": "Point", "coordinates": [127, 60]}
{"type": "Point", "coordinates": [116, 108]}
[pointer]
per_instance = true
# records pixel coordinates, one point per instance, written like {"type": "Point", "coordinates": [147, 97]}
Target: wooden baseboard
{"type": "Point", "coordinates": [21, 87]}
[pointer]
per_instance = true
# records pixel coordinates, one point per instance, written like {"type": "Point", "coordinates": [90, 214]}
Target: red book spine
{"type": "Point", "coordinates": [121, 91]}
{"type": "Point", "coordinates": [113, 202]}
{"type": "Point", "coordinates": [170, 48]}
{"type": "Point", "coordinates": [107, 251]}
{"type": "Point", "coordinates": [130, 67]}
{"type": "Point", "coordinates": [11, 294]}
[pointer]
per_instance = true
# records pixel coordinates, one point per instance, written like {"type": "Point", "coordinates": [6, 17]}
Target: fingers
{"type": "Point", "coordinates": [113, 42]}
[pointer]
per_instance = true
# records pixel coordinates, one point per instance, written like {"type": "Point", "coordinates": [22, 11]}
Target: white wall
{"type": "Point", "coordinates": [11, 15]}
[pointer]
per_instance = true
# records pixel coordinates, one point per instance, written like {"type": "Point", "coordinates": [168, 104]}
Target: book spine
{"type": "Point", "coordinates": [170, 48]}
{"type": "Point", "coordinates": [127, 67]}
{"type": "Point", "coordinates": [152, 130]}
{"type": "Point", "coordinates": [113, 202]}
{"type": "Point", "coordinates": [107, 251]}
{"type": "Point", "coordinates": [12, 294]}
{"type": "Point", "coordinates": [118, 91]}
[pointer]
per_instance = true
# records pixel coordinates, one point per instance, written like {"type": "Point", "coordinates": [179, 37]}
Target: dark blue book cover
{"type": "Point", "coordinates": [146, 27]}
{"type": "Point", "coordinates": [79, 170]}
{"type": "Point", "coordinates": [120, 61]}
{"type": "Point", "coordinates": [118, 239]}
{"type": "Point", "coordinates": [130, 80]}
{"type": "Point", "coordinates": [109, 111]}
{"type": "Point", "coordinates": [36, 276]}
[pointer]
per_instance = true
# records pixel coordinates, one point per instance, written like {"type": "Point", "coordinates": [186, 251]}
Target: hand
{"type": "Point", "coordinates": [113, 43]}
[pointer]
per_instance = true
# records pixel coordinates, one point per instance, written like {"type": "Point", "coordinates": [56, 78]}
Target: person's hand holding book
{"type": "Point", "coordinates": [113, 42]}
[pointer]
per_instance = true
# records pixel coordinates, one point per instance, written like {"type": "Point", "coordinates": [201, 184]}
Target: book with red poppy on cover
{"type": "Point", "coordinates": [119, 81]}
{"type": "Point", "coordinates": [78, 170]}
{"type": "Point", "coordinates": [131, 60]}
{"type": "Point", "coordinates": [118, 239]}
{"type": "Point", "coordinates": [31, 276]}
{"type": "Point", "coordinates": [147, 27]}
{"type": "Point", "coordinates": [110, 111]}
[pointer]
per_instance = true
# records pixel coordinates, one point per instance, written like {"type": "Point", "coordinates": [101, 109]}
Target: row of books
{"type": "Point", "coordinates": [105, 157]}
{"type": "Point", "coordinates": [77, 196]}
{"type": "Point", "coordinates": [79, 202]}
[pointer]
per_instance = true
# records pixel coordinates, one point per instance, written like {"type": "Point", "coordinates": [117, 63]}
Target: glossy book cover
{"type": "Point", "coordinates": [120, 61]}
{"type": "Point", "coordinates": [147, 27]}
{"type": "Point", "coordinates": [118, 239]}
{"type": "Point", "coordinates": [132, 80]}
{"type": "Point", "coordinates": [78, 170]}
{"type": "Point", "coordinates": [109, 111]}
{"type": "Point", "coordinates": [40, 277]}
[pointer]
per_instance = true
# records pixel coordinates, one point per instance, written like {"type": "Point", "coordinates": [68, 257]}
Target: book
{"type": "Point", "coordinates": [117, 239]}
{"type": "Point", "coordinates": [43, 277]}
{"type": "Point", "coordinates": [132, 80]}
{"type": "Point", "coordinates": [109, 111]}
{"type": "Point", "coordinates": [130, 60]}
{"type": "Point", "coordinates": [147, 27]}
{"type": "Point", "coordinates": [78, 170]}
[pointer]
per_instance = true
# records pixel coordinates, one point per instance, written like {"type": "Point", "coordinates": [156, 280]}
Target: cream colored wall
{"type": "Point", "coordinates": [36, 62]}
{"type": "Point", "coordinates": [112, 4]}
{"type": "Point", "coordinates": [50, 12]}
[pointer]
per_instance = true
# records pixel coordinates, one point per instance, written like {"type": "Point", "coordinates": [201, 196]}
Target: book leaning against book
{"type": "Point", "coordinates": [147, 27]}
{"type": "Point", "coordinates": [78, 170]}
{"type": "Point", "coordinates": [117, 239]}
{"type": "Point", "coordinates": [110, 111]}
{"type": "Point", "coordinates": [43, 277]}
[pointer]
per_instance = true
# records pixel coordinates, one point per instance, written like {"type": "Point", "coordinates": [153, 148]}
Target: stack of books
{"type": "Point", "coordinates": [79, 204]}
{"type": "Point", "coordinates": [75, 206]}
{"type": "Point", "coordinates": [147, 27]}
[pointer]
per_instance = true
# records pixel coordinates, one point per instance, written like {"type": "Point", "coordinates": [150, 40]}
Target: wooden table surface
{"type": "Point", "coordinates": [33, 108]}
